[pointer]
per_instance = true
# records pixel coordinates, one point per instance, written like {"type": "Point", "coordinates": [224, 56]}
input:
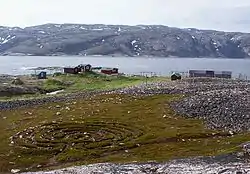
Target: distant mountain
{"type": "Point", "coordinates": [115, 40]}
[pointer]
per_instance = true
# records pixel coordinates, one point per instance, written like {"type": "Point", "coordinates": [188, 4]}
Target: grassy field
{"type": "Point", "coordinates": [95, 81]}
{"type": "Point", "coordinates": [104, 128]}
{"type": "Point", "coordinates": [82, 82]}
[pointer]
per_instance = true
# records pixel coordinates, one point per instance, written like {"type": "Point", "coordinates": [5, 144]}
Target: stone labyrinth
{"type": "Point", "coordinates": [56, 138]}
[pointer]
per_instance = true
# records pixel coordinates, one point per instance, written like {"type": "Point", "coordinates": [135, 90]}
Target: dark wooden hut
{"type": "Point", "coordinates": [209, 73]}
{"type": "Point", "coordinates": [42, 75]}
{"type": "Point", "coordinates": [175, 76]}
{"type": "Point", "coordinates": [78, 69]}
{"type": "Point", "coordinates": [74, 70]}
{"type": "Point", "coordinates": [84, 68]}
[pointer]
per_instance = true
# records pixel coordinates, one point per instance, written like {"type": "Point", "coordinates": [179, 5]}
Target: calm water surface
{"type": "Point", "coordinates": [161, 66]}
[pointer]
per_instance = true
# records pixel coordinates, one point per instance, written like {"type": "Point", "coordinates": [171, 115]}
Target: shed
{"type": "Point", "coordinates": [109, 71]}
{"type": "Point", "coordinates": [226, 74]}
{"type": "Point", "coordinates": [175, 76]}
{"type": "Point", "coordinates": [42, 75]}
{"type": "Point", "coordinates": [77, 69]}
{"type": "Point", "coordinates": [84, 68]}
{"type": "Point", "coordinates": [197, 73]}
{"type": "Point", "coordinates": [71, 70]}
{"type": "Point", "coordinates": [209, 73]}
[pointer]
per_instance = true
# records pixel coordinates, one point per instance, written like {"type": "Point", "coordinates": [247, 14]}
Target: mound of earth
{"type": "Point", "coordinates": [226, 108]}
{"type": "Point", "coordinates": [15, 90]}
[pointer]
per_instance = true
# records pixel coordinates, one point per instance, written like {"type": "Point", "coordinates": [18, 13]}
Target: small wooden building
{"type": "Point", "coordinates": [84, 68]}
{"type": "Point", "coordinates": [71, 70]}
{"type": "Point", "coordinates": [197, 73]}
{"type": "Point", "coordinates": [78, 69]}
{"type": "Point", "coordinates": [223, 74]}
{"type": "Point", "coordinates": [42, 75]}
{"type": "Point", "coordinates": [109, 71]}
{"type": "Point", "coordinates": [175, 76]}
{"type": "Point", "coordinates": [209, 73]}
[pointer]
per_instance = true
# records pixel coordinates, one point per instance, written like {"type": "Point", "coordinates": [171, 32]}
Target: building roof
{"type": "Point", "coordinates": [84, 65]}
{"type": "Point", "coordinates": [108, 68]}
{"type": "Point", "coordinates": [176, 74]}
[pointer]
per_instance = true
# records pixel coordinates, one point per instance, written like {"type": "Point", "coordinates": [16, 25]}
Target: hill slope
{"type": "Point", "coordinates": [160, 41]}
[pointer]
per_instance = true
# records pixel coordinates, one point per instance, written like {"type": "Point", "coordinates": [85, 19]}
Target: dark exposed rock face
{"type": "Point", "coordinates": [160, 41]}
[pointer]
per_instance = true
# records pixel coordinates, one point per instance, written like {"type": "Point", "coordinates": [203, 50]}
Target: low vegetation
{"type": "Point", "coordinates": [73, 83]}
{"type": "Point", "coordinates": [104, 128]}
{"type": "Point", "coordinates": [94, 81]}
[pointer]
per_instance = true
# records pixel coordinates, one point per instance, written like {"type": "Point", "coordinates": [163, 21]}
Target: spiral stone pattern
{"type": "Point", "coordinates": [59, 137]}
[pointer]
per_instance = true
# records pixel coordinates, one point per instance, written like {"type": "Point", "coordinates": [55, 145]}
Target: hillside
{"type": "Point", "coordinates": [114, 40]}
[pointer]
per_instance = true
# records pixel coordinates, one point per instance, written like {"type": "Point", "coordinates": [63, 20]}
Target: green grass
{"type": "Point", "coordinates": [94, 81]}
{"type": "Point", "coordinates": [105, 128]}
{"type": "Point", "coordinates": [54, 84]}
{"type": "Point", "coordinates": [85, 82]}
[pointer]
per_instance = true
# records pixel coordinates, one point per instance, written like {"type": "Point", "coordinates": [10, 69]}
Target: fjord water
{"type": "Point", "coordinates": [16, 65]}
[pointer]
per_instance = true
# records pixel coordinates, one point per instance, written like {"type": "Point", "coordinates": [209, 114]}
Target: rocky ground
{"type": "Point", "coordinates": [226, 164]}
{"type": "Point", "coordinates": [16, 86]}
{"type": "Point", "coordinates": [117, 40]}
{"type": "Point", "coordinates": [227, 109]}
{"type": "Point", "coordinates": [13, 90]}
{"type": "Point", "coordinates": [222, 104]}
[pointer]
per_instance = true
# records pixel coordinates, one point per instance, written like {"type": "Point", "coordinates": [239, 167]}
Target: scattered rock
{"type": "Point", "coordinates": [17, 81]}
{"type": "Point", "coordinates": [15, 170]}
{"type": "Point", "coordinates": [67, 108]}
{"type": "Point", "coordinates": [246, 147]}
{"type": "Point", "coordinates": [186, 166]}
{"type": "Point", "coordinates": [225, 108]}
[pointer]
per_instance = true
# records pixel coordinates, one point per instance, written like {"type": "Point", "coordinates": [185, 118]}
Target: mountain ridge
{"type": "Point", "coordinates": [122, 40]}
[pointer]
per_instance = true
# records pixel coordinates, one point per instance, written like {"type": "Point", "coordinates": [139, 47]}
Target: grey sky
{"type": "Point", "coordinates": [229, 15]}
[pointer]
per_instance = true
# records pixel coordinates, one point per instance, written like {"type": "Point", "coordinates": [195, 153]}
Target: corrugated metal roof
{"type": "Point", "coordinates": [197, 71]}
{"type": "Point", "coordinates": [227, 72]}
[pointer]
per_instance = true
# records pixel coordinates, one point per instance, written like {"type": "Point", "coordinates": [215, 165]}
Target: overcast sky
{"type": "Point", "coordinates": [229, 15]}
